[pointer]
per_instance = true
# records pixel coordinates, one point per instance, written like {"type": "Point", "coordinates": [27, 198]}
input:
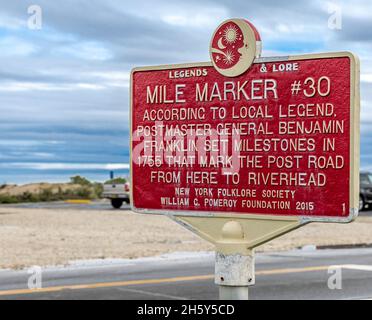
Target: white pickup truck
{"type": "Point", "coordinates": [117, 193]}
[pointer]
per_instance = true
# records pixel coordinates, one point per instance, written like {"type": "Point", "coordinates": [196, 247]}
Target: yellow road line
{"type": "Point", "coordinates": [105, 285]}
{"type": "Point", "coordinates": [150, 281]}
{"type": "Point", "coordinates": [291, 270]}
{"type": "Point", "coordinates": [81, 201]}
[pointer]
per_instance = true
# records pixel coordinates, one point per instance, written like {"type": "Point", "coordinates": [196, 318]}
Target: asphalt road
{"type": "Point", "coordinates": [285, 275]}
{"type": "Point", "coordinates": [288, 275]}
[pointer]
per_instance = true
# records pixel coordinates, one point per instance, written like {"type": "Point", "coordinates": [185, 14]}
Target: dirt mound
{"type": "Point", "coordinates": [37, 188]}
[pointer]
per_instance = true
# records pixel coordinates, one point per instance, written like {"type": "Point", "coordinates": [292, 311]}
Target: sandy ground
{"type": "Point", "coordinates": [53, 237]}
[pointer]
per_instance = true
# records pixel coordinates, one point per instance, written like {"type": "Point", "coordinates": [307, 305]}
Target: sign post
{"type": "Point", "coordinates": [243, 149]}
{"type": "Point", "coordinates": [235, 239]}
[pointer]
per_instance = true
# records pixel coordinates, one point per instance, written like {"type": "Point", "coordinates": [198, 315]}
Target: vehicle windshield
{"type": "Point", "coordinates": [366, 178]}
{"type": "Point", "coordinates": [370, 178]}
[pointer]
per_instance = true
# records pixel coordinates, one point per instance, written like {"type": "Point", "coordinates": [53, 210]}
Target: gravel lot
{"type": "Point", "coordinates": [56, 236]}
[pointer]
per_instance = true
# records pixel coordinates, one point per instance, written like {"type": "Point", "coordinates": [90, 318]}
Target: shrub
{"type": "Point", "coordinates": [97, 190]}
{"type": "Point", "coordinates": [80, 180]}
{"type": "Point", "coordinates": [46, 195]}
{"type": "Point", "coordinates": [116, 180]}
{"type": "Point", "coordinates": [5, 198]}
{"type": "Point", "coordinates": [28, 197]}
{"type": "Point", "coordinates": [84, 192]}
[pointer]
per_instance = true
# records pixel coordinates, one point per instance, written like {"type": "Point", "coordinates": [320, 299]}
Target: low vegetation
{"type": "Point", "coordinates": [78, 188]}
{"type": "Point", "coordinates": [116, 180]}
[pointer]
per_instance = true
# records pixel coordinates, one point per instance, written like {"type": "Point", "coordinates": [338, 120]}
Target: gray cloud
{"type": "Point", "coordinates": [68, 82]}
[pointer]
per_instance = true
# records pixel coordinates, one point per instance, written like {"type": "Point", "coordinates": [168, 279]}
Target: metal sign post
{"type": "Point", "coordinates": [235, 240]}
{"type": "Point", "coordinates": [243, 149]}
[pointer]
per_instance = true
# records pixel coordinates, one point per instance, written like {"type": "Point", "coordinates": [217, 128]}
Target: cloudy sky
{"type": "Point", "coordinates": [64, 87]}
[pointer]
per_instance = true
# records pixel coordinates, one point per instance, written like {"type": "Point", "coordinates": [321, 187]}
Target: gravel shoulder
{"type": "Point", "coordinates": [54, 237]}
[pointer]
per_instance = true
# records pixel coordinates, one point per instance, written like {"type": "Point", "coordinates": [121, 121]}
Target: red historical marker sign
{"type": "Point", "coordinates": [276, 139]}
